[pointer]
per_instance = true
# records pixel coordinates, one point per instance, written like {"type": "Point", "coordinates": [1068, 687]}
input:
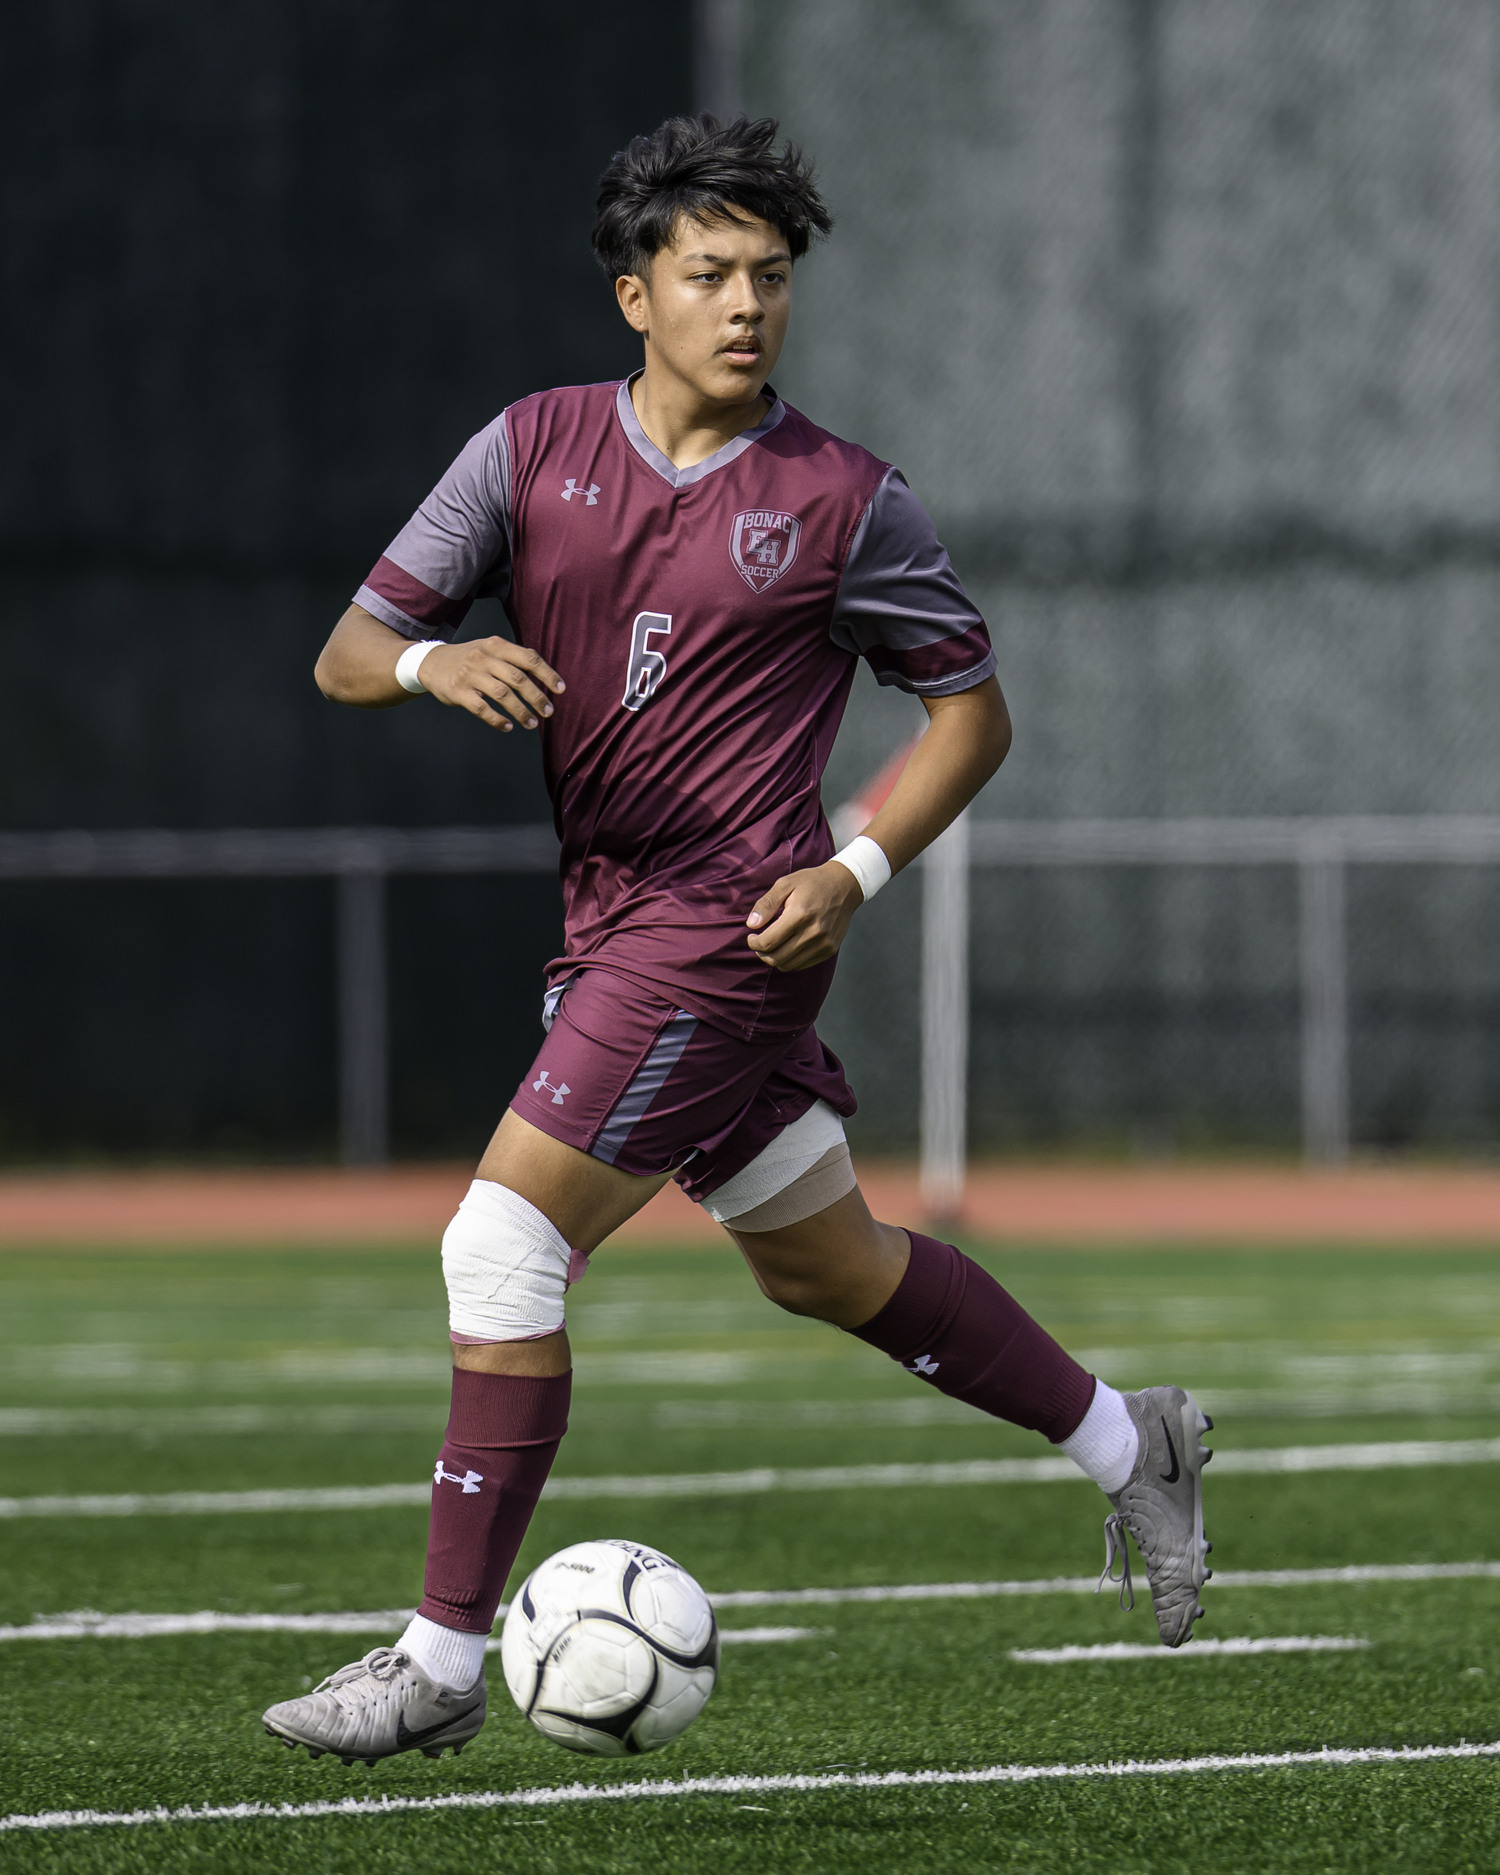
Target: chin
{"type": "Point", "coordinates": [735, 384]}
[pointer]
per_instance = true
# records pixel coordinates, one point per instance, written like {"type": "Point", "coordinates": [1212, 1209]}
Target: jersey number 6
{"type": "Point", "coordinates": [647, 667]}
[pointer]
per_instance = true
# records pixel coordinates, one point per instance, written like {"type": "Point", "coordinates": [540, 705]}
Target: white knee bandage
{"type": "Point", "coordinates": [506, 1266]}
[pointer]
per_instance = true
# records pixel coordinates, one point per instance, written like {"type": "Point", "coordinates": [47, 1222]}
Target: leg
{"type": "Point", "coordinates": [507, 1257]}
{"type": "Point", "coordinates": [927, 1306]}
{"type": "Point", "coordinates": [948, 1321]}
{"type": "Point", "coordinates": [626, 1087]}
{"type": "Point", "coordinates": [582, 1197]}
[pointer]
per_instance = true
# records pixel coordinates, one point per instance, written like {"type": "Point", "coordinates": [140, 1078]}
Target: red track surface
{"type": "Point", "coordinates": [1031, 1204]}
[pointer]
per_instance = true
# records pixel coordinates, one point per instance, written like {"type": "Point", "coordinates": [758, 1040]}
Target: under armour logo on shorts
{"type": "Point", "coordinates": [471, 1480]}
{"type": "Point", "coordinates": [590, 494]}
{"type": "Point", "coordinates": [557, 1093]}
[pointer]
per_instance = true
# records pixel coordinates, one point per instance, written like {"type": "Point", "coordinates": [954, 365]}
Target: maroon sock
{"type": "Point", "coordinates": [953, 1325]}
{"type": "Point", "coordinates": [503, 1434]}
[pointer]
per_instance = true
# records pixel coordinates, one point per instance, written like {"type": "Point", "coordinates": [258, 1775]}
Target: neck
{"type": "Point", "coordinates": [684, 425]}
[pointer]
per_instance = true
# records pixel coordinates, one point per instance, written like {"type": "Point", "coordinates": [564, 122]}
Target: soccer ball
{"type": "Point", "coordinates": [610, 1648]}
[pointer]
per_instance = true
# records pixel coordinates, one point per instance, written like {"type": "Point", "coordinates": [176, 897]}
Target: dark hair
{"type": "Point", "coordinates": [698, 167]}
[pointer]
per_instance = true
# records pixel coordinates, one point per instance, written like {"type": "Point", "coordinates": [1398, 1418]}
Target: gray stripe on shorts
{"type": "Point", "coordinates": [630, 1110]}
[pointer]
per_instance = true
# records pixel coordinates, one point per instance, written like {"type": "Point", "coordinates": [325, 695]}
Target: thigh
{"type": "Point", "coordinates": [626, 1089]}
{"type": "Point", "coordinates": [805, 1070]}
{"type": "Point", "coordinates": [582, 1197]}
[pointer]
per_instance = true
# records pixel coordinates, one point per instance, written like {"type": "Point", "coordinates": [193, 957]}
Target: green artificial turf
{"type": "Point", "coordinates": [225, 1371]}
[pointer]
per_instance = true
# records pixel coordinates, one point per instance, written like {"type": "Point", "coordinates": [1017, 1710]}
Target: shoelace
{"type": "Point", "coordinates": [1115, 1544]}
{"type": "Point", "coordinates": [380, 1664]}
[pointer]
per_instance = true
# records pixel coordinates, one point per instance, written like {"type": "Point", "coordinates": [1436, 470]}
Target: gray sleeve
{"type": "Point", "coordinates": [455, 549]}
{"type": "Point", "coordinates": [900, 605]}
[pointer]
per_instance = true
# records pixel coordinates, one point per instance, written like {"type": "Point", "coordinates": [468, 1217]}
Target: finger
{"type": "Point", "coordinates": [531, 661]}
{"type": "Point", "coordinates": [769, 904]}
{"type": "Point", "coordinates": [501, 697]}
{"type": "Point", "coordinates": [535, 697]}
{"type": "Point", "coordinates": [479, 705]}
{"type": "Point", "coordinates": [802, 955]}
{"type": "Point", "coordinates": [784, 935]}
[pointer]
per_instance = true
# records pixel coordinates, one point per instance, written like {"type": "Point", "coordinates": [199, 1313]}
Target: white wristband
{"type": "Point", "coordinates": [869, 865]}
{"type": "Point", "coordinates": [410, 662]}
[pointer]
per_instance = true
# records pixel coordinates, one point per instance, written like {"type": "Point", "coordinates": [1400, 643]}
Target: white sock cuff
{"type": "Point", "coordinates": [449, 1656]}
{"type": "Point", "coordinates": [1107, 1444]}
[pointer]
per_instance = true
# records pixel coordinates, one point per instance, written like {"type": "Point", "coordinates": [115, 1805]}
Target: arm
{"type": "Point", "coordinates": [805, 917]}
{"type": "Point", "coordinates": [486, 676]}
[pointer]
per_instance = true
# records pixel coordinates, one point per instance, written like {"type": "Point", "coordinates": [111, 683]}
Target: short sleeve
{"type": "Point", "coordinates": [900, 605]}
{"type": "Point", "coordinates": [455, 548]}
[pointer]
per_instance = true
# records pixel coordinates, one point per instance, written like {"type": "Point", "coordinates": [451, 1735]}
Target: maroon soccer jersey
{"type": "Point", "coordinates": [706, 622]}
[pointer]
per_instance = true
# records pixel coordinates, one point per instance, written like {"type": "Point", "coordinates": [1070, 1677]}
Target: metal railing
{"type": "Point", "coordinates": [1320, 849]}
{"type": "Point", "coordinates": [359, 860]}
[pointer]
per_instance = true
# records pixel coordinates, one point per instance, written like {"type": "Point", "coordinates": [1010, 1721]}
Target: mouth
{"type": "Point", "coordinates": [742, 351]}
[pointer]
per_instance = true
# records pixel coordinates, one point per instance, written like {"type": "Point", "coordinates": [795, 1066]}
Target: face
{"type": "Point", "coordinates": [713, 310]}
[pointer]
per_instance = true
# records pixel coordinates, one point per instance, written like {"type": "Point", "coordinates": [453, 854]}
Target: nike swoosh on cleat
{"type": "Point", "coordinates": [406, 1739]}
{"type": "Point", "coordinates": [1170, 1477]}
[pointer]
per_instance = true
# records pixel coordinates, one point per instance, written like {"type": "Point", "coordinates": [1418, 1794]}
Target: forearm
{"type": "Point", "coordinates": [358, 664]}
{"type": "Point", "coordinates": [967, 739]}
{"type": "Point", "coordinates": [805, 916]}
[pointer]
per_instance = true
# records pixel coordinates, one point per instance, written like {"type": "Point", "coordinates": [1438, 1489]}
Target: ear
{"type": "Point", "coordinates": [635, 301]}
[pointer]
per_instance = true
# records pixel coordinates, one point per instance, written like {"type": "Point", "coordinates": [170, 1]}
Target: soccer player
{"type": "Point", "coordinates": [691, 568]}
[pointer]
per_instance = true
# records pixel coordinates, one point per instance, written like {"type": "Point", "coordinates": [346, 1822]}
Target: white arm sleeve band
{"type": "Point", "coordinates": [506, 1266]}
{"type": "Point", "coordinates": [869, 865]}
{"type": "Point", "coordinates": [410, 663]}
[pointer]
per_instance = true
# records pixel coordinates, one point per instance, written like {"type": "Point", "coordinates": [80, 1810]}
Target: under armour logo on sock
{"type": "Point", "coordinates": [590, 494]}
{"type": "Point", "coordinates": [471, 1480]}
{"type": "Point", "coordinates": [557, 1093]}
{"type": "Point", "coordinates": [924, 1364]}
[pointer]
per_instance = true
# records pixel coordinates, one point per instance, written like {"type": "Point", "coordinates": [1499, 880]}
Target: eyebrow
{"type": "Point", "coordinates": [724, 260]}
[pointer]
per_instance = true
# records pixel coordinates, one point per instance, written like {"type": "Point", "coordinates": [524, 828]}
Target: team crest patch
{"type": "Point", "coordinates": [763, 544]}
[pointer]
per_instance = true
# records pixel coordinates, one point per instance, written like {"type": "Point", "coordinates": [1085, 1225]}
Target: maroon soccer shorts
{"type": "Point", "coordinates": [637, 1082]}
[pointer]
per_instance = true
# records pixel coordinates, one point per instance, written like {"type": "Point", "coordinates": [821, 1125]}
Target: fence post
{"type": "Point", "coordinates": [364, 1065]}
{"type": "Point", "coordinates": [945, 1020]}
{"type": "Point", "coordinates": [1325, 1007]}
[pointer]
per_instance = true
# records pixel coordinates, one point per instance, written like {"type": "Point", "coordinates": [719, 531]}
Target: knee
{"type": "Point", "coordinates": [506, 1267]}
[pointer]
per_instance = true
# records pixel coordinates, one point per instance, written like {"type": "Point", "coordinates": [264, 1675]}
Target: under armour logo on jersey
{"type": "Point", "coordinates": [924, 1364]}
{"type": "Point", "coordinates": [590, 494]}
{"type": "Point", "coordinates": [471, 1480]}
{"type": "Point", "coordinates": [544, 1085]}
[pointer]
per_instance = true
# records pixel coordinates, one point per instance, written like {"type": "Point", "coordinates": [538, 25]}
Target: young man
{"type": "Point", "coordinates": [691, 569]}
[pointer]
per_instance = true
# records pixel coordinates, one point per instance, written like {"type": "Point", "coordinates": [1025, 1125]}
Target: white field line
{"type": "Point", "coordinates": [1086, 1585]}
{"type": "Point", "coordinates": [769, 1634]}
{"type": "Point", "coordinates": [89, 1624]}
{"type": "Point", "coordinates": [1329, 1758]}
{"type": "Point", "coordinates": [1200, 1649]}
{"type": "Point", "coordinates": [1273, 1459]}
{"type": "Point", "coordinates": [34, 1422]}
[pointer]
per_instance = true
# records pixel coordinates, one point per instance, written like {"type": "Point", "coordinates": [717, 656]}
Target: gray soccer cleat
{"type": "Point", "coordinates": [378, 1706]}
{"type": "Point", "coordinates": [1162, 1508]}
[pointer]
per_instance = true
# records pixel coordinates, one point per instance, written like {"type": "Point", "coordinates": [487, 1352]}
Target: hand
{"type": "Point", "coordinates": [489, 675]}
{"type": "Point", "coordinates": [805, 917]}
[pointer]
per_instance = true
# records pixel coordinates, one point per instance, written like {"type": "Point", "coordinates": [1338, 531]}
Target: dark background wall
{"type": "Point", "coordinates": [1183, 316]}
{"type": "Point", "coordinates": [266, 266]}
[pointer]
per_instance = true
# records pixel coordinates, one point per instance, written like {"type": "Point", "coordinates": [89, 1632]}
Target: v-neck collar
{"type": "Point", "coordinates": [643, 446]}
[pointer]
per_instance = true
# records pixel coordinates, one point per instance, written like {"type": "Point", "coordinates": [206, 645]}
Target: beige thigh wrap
{"type": "Point", "coordinates": [823, 1183]}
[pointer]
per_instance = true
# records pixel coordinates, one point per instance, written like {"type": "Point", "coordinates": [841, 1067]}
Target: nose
{"type": "Point", "coordinates": [749, 307]}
